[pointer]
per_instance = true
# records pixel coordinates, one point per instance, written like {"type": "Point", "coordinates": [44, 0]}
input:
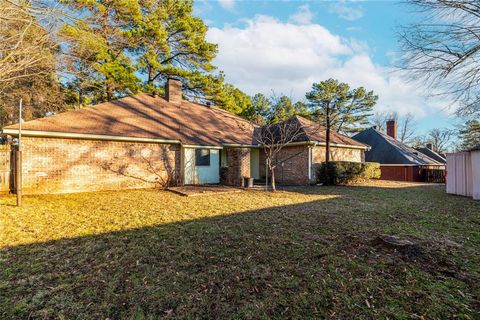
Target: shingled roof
{"type": "Point", "coordinates": [432, 154]}
{"type": "Point", "coordinates": [147, 116]}
{"type": "Point", "coordinates": [387, 150]}
{"type": "Point", "coordinates": [308, 131]}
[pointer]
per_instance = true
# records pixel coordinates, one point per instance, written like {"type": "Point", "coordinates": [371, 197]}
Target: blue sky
{"type": "Point", "coordinates": [285, 46]}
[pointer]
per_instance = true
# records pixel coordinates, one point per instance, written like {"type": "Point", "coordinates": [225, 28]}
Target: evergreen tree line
{"type": "Point", "coordinates": [63, 54]}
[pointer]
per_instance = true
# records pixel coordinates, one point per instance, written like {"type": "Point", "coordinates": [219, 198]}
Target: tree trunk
{"type": "Point", "coordinates": [272, 171]}
{"type": "Point", "coordinates": [327, 147]}
{"type": "Point", "coordinates": [109, 93]}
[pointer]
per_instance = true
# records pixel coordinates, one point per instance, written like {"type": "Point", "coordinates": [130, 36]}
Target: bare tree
{"type": "Point", "coordinates": [406, 128]}
{"type": "Point", "coordinates": [379, 121]}
{"type": "Point", "coordinates": [29, 57]}
{"type": "Point", "coordinates": [443, 51]}
{"type": "Point", "coordinates": [406, 125]}
{"type": "Point", "coordinates": [26, 45]}
{"type": "Point", "coordinates": [440, 139]}
{"type": "Point", "coordinates": [274, 138]}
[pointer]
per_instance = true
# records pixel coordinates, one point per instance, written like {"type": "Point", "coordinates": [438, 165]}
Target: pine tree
{"type": "Point", "coordinates": [338, 107]}
{"type": "Point", "coordinates": [122, 47]}
{"type": "Point", "coordinates": [353, 114]}
{"type": "Point", "coordinates": [169, 41]}
{"type": "Point", "coordinates": [284, 108]}
{"type": "Point", "coordinates": [97, 48]}
{"type": "Point", "coordinates": [259, 109]}
{"type": "Point", "coordinates": [470, 135]}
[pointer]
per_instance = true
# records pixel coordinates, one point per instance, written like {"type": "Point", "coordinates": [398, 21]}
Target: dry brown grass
{"type": "Point", "coordinates": [304, 253]}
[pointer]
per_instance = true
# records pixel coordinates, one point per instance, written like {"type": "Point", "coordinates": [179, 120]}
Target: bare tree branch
{"type": "Point", "coordinates": [274, 138]}
{"type": "Point", "coordinates": [443, 51]}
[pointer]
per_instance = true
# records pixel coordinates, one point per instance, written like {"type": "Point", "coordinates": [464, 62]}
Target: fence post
{"type": "Point", "coordinates": [18, 176]}
{"type": "Point", "coordinates": [18, 157]}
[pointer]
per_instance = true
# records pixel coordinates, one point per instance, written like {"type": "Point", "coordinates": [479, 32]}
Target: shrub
{"type": "Point", "coordinates": [344, 172]}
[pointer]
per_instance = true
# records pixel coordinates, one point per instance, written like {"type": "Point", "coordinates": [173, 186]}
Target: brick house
{"type": "Point", "coordinates": [299, 161]}
{"type": "Point", "coordinates": [146, 140]}
{"type": "Point", "coordinates": [398, 161]}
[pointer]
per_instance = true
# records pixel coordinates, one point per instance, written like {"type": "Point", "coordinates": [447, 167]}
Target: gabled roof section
{"type": "Point", "coordinates": [308, 131]}
{"type": "Point", "coordinates": [150, 117]}
{"type": "Point", "coordinates": [317, 133]}
{"type": "Point", "coordinates": [386, 150]}
{"type": "Point", "coordinates": [432, 154]}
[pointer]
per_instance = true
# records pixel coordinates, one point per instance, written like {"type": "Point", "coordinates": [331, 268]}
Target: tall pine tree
{"type": "Point", "coordinates": [337, 108]}
{"type": "Point", "coordinates": [470, 135]}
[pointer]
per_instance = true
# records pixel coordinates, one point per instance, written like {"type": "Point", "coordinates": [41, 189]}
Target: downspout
{"type": "Point", "coordinates": [309, 163]}
{"type": "Point", "coordinates": [182, 165]}
{"type": "Point", "coordinates": [310, 160]}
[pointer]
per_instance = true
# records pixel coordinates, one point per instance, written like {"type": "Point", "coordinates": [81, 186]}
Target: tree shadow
{"type": "Point", "coordinates": [307, 260]}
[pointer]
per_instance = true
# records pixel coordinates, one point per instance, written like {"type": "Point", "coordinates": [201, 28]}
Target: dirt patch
{"type": "Point", "coordinates": [434, 256]}
{"type": "Point", "coordinates": [190, 191]}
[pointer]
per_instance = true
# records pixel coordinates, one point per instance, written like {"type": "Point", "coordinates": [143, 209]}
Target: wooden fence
{"type": "Point", "coordinates": [433, 175]}
{"type": "Point", "coordinates": [5, 169]}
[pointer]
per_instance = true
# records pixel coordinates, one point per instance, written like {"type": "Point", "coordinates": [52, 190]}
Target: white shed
{"type": "Point", "coordinates": [463, 173]}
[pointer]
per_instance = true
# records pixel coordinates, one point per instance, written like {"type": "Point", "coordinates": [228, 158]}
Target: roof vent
{"type": "Point", "coordinates": [154, 93]}
{"type": "Point", "coordinates": [209, 104]}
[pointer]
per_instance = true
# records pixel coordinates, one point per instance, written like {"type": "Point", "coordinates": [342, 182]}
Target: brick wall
{"type": "Point", "coordinates": [401, 173]}
{"type": "Point", "coordinates": [336, 154]}
{"type": "Point", "coordinates": [238, 165]}
{"type": "Point", "coordinates": [53, 165]}
{"type": "Point", "coordinates": [295, 168]}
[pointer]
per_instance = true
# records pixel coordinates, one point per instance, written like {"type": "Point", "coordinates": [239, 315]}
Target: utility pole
{"type": "Point", "coordinates": [18, 159]}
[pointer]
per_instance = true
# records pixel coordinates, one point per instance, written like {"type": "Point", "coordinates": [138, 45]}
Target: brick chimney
{"type": "Point", "coordinates": [392, 128]}
{"type": "Point", "coordinates": [429, 146]}
{"type": "Point", "coordinates": [173, 90]}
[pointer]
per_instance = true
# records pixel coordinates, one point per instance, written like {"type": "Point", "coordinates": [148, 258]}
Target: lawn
{"type": "Point", "coordinates": [305, 253]}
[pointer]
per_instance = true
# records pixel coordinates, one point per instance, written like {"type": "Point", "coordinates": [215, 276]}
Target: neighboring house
{"type": "Point", "coordinates": [397, 161]}
{"type": "Point", "coordinates": [432, 154]}
{"type": "Point", "coordinates": [463, 173]}
{"type": "Point", "coordinates": [142, 140]}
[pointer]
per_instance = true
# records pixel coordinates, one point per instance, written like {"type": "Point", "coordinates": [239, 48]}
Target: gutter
{"type": "Point", "coordinates": [194, 146]}
{"type": "Point", "coordinates": [86, 136]}
{"type": "Point", "coordinates": [302, 143]}
{"type": "Point", "coordinates": [409, 165]}
{"type": "Point", "coordinates": [49, 134]}
{"type": "Point", "coordinates": [234, 145]}
{"type": "Point", "coordinates": [339, 145]}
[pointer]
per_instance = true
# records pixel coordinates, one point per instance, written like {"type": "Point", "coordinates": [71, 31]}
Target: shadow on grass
{"type": "Point", "coordinates": [311, 259]}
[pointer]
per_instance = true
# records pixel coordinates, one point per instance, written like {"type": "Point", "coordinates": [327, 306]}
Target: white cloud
{"type": "Point", "coordinates": [267, 54]}
{"type": "Point", "coordinates": [227, 4]}
{"type": "Point", "coordinates": [346, 11]}
{"type": "Point", "coordinates": [303, 15]}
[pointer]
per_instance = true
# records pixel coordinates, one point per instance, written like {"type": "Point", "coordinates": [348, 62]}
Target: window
{"type": "Point", "coordinates": [202, 157]}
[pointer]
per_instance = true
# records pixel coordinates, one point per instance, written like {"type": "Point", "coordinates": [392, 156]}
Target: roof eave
{"type": "Point", "coordinates": [85, 136]}
{"type": "Point", "coordinates": [340, 145]}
